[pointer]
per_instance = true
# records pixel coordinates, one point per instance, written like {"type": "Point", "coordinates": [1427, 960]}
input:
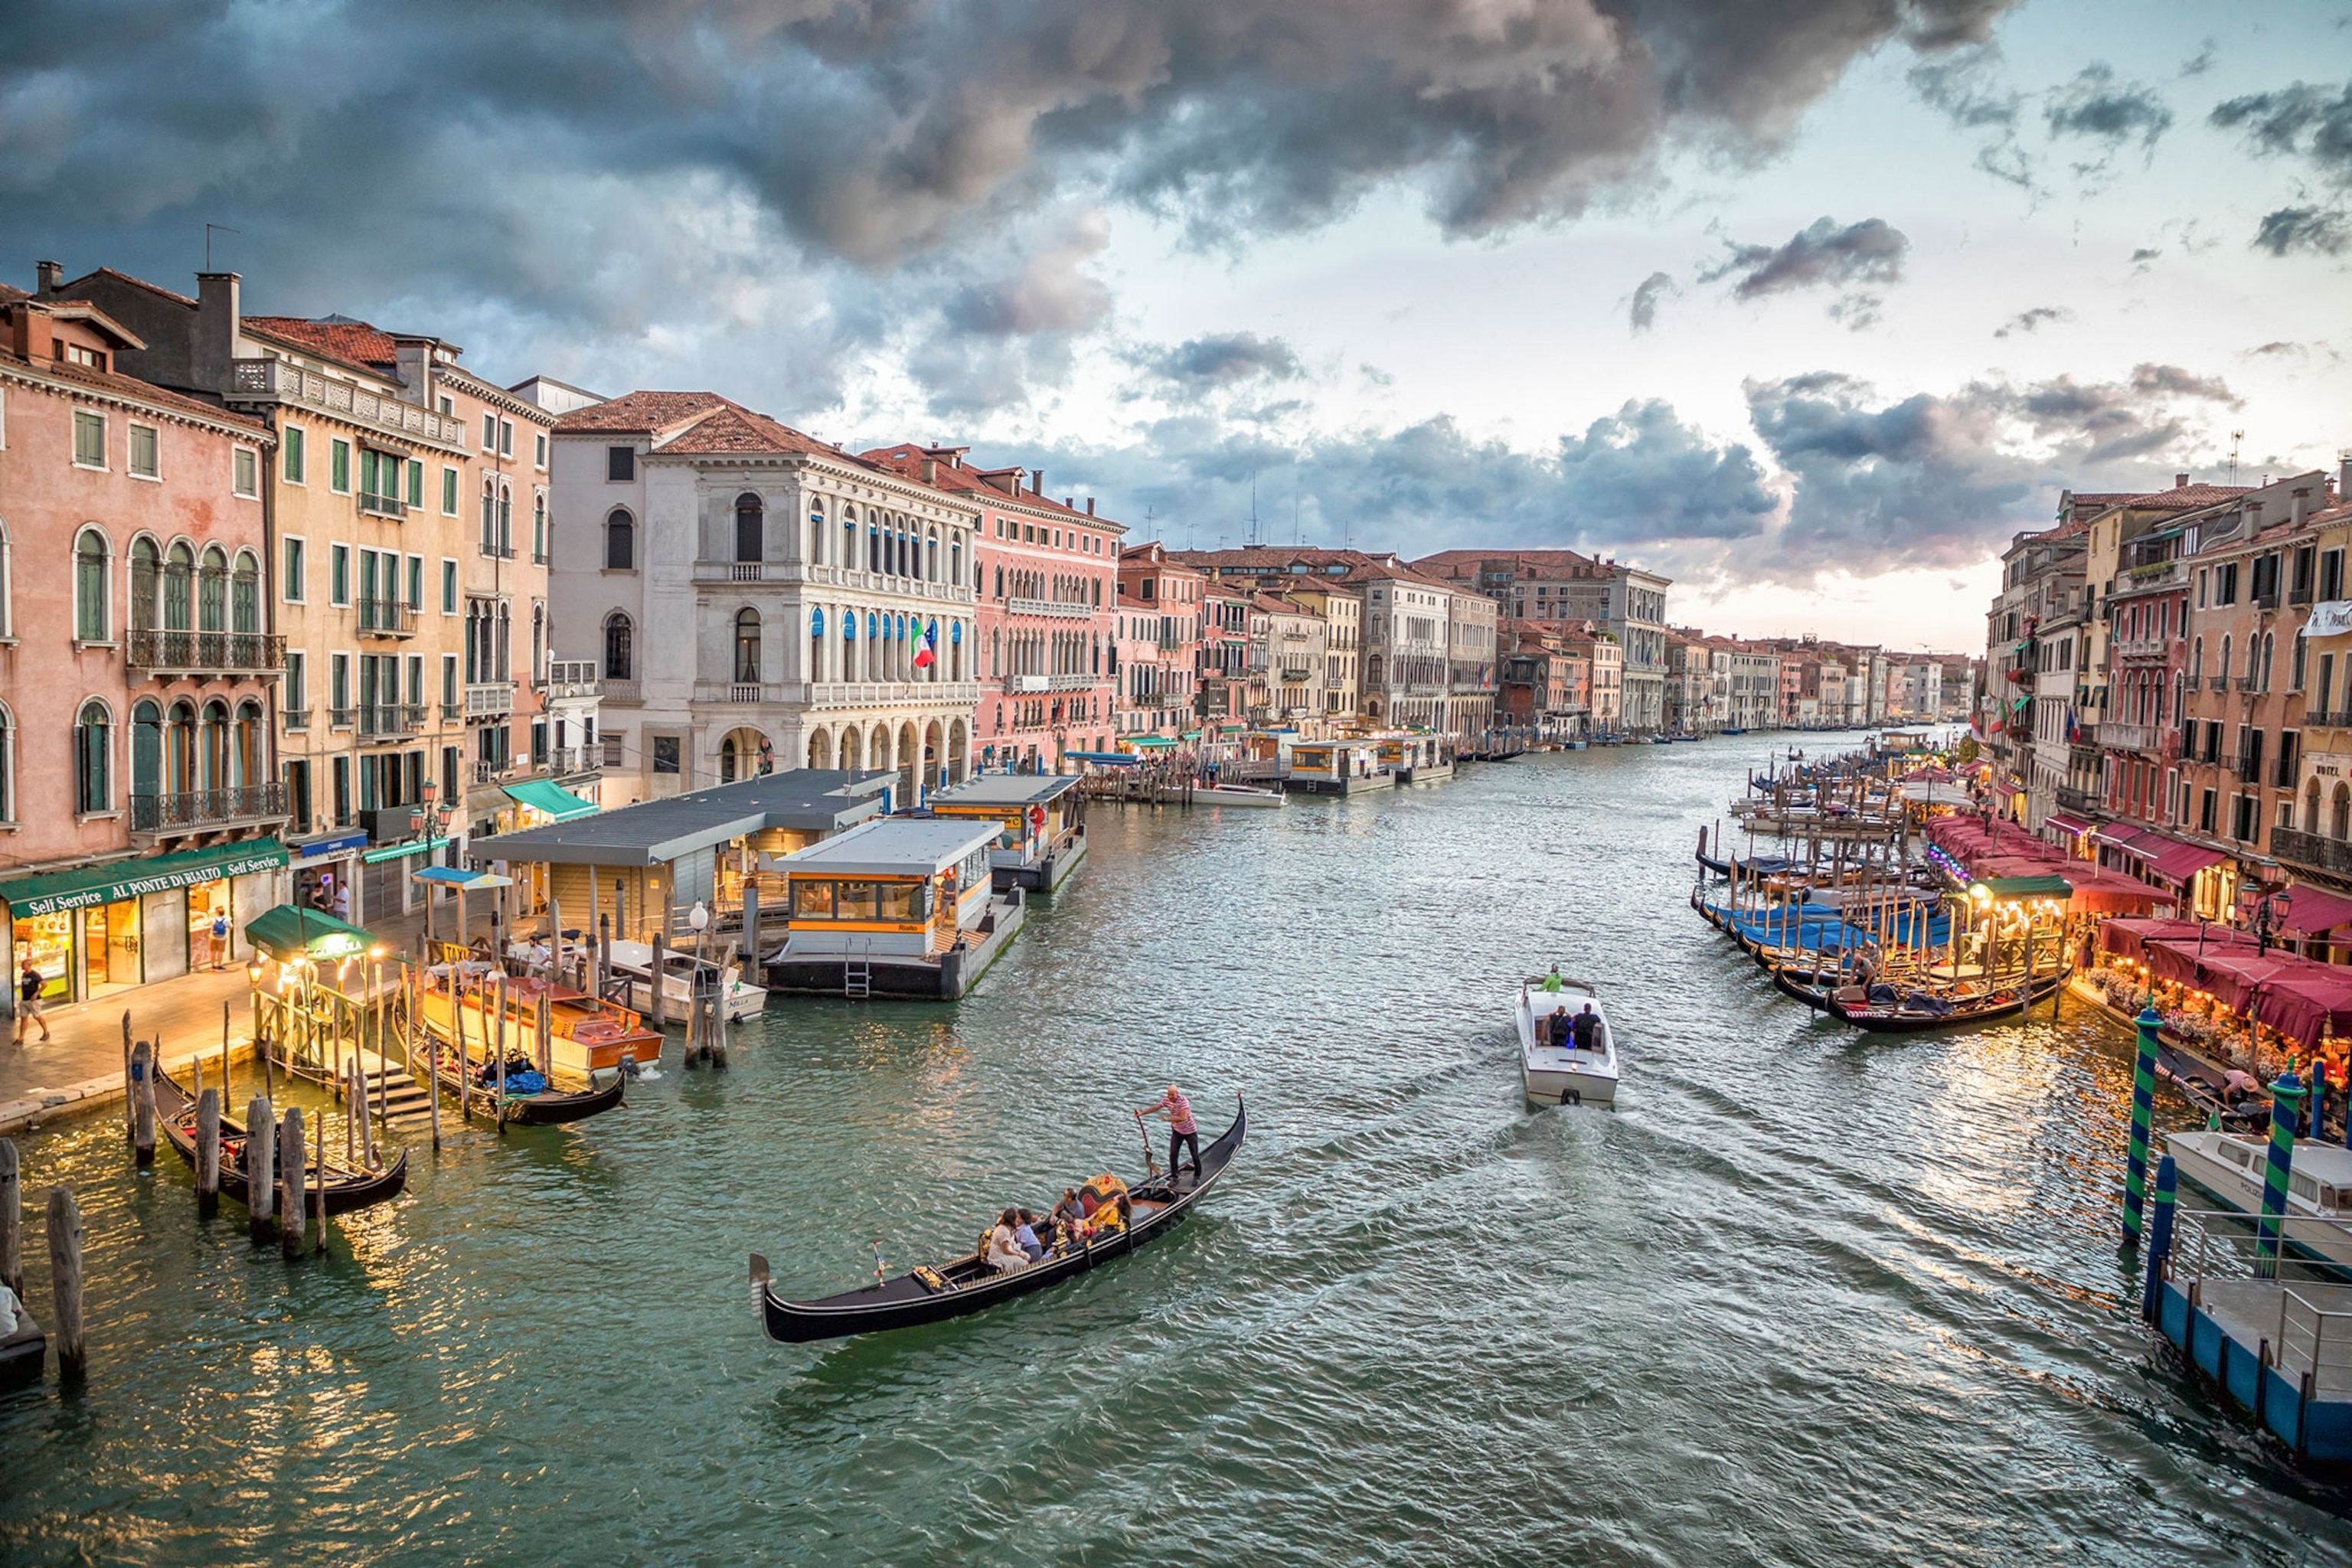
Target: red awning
{"type": "Point", "coordinates": [2067, 822]}
{"type": "Point", "coordinates": [2309, 911]}
{"type": "Point", "coordinates": [2116, 835]}
{"type": "Point", "coordinates": [2176, 861]}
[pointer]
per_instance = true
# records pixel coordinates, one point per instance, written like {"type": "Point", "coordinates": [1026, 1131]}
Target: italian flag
{"type": "Point", "coordinates": [920, 641]}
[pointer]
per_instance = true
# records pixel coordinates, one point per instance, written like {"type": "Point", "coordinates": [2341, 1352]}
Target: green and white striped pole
{"type": "Point", "coordinates": [2286, 1111]}
{"type": "Point", "coordinates": [2143, 1114]}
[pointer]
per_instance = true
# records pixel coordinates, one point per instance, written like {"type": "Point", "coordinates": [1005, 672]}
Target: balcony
{"type": "Point", "coordinates": [198, 811]}
{"type": "Point", "coordinates": [748, 571]}
{"type": "Point", "coordinates": [2142, 647]}
{"type": "Point", "coordinates": [386, 719]}
{"type": "Point", "coordinates": [1047, 607]}
{"type": "Point", "coordinates": [834, 694]}
{"type": "Point", "coordinates": [621, 693]}
{"type": "Point", "coordinates": [2312, 850]}
{"type": "Point", "coordinates": [341, 718]}
{"type": "Point", "coordinates": [2217, 683]}
{"type": "Point", "coordinates": [497, 771]}
{"type": "Point", "coordinates": [2339, 720]}
{"type": "Point", "coordinates": [275, 381]}
{"type": "Point", "coordinates": [538, 557]}
{"type": "Point", "coordinates": [571, 678]}
{"type": "Point", "coordinates": [452, 712]}
{"type": "Point", "coordinates": [490, 698]}
{"type": "Point", "coordinates": [386, 618]}
{"type": "Point", "coordinates": [382, 506]}
{"type": "Point", "coordinates": [2246, 683]}
{"type": "Point", "coordinates": [2078, 800]}
{"type": "Point", "coordinates": [569, 761]}
{"type": "Point", "coordinates": [2155, 574]}
{"type": "Point", "coordinates": [743, 691]}
{"type": "Point", "coordinates": [2298, 596]}
{"type": "Point", "coordinates": [209, 653]}
{"type": "Point", "coordinates": [1032, 684]}
{"type": "Point", "coordinates": [297, 719]}
{"type": "Point", "coordinates": [2266, 601]}
{"type": "Point", "coordinates": [498, 550]}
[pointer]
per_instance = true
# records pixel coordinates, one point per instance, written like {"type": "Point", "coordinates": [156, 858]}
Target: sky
{"type": "Point", "coordinates": [1809, 305]}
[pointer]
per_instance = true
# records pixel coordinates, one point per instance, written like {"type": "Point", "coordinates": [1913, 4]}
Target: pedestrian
{"type": "Point", "coordinates": [29, 1000]}
{"type": "Point", "coordinates": [220, 937]}
{"type": "Point", "coordinates": [1181, 1130]}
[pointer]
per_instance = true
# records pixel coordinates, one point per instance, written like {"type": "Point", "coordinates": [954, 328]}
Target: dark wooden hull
{"type": "Point", "coordinates": [22, 1355]}
{"type": "Point", "coordinates": [1797, 990]}
{"type": "Point", "coordinates": [345, 1190]}
{"type": "Point", "coordinates": [1892, 1021]}
{"type": "Point", "coordinates": [554, 1108]}
{"type": "Point", "coordinates": [906, 1302]}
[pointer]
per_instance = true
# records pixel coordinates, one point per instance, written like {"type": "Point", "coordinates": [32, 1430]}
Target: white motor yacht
{"type": "Point", "coordinates": [1563, 1075]}
{"type": "Point", "coordinates": [2231, 1166]}
{"type": "Point", "coordinates": [1234, 795]}
{"type": "Point", "coordinates": [633, 962]}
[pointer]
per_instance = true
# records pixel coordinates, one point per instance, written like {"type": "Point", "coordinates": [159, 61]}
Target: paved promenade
{"type": "Point", "coordinates": [83, 1057]}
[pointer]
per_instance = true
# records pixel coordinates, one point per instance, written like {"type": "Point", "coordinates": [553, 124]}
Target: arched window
{"type": "Point", "coordinates": [620, 648]}
{"type": "Point", "coordinates": [506, 520]}
{"type": "Point", "coordinates": [2197, 659]}
{"type": "Point", "coordinates": [146, 582]}
{"type": "Point", "coordinates": [248, 769]}
{"type": "Point", "coordinates": [2223, 669]}
{"type": "Point", "coordinates": [90, 621]}
{"type": "Point", "coordinates": [1000, 582]}
{"type": "Point", "coordinates": [848, 536]}
{"type": "Point", "coordinates": [620, 541]}
{"type": "Point", "coordinates": [750, 528]}
{"type": "Point", "coordinates": [2340, 813]}
{"type": "Point", "coordinates": [180, 749]}
{"type": "Point", "coordinates": [244, 595]}
{"type": "Point", "coordinates": [179, 589]}
{"type": "Point", "coordinates": [7, 623]}
{"type": "Point", "coordinates": [931, 557]}
{"type": "Point", "coordinates": [816, 645]}
{"type": "Point", "coordinates": [747, 646]}
{"type": "Point", "coordinates": [538, 528]}
{"type": "Point", "coordinates": [2310, 807]}
{"type": "Point", "coordinates": [817, 533]}
{"type": "Point", "coordinates": [213, 756]}
{"type": "Point", "coordinates": [93, 748]}
{"type": "Point", "coordinates": [2269, 647]}
{"type": "Point", "coordinates": [727, 760]}
{"type": "Point", "coordinates": [212, 591]}
{"type": "Point", "coordinates": [146, 750]}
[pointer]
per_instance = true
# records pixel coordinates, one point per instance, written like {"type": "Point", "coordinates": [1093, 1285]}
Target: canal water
{"type": "Point", "coordinates": [1807, 1297]}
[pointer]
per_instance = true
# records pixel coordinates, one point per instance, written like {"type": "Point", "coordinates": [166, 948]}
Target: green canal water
{"type": "Point", "coordinates": [1807, 1297]}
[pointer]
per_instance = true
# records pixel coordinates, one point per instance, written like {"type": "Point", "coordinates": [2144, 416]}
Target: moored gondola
{"type": "Point", "coordinates": [346, 1189]}
{"type": "Point", "coordinates": [1919, 1011]}
{"type": "Point", "coordinates": [968, 1285]}
{"type": "Point", "coordinates": [541, 1105]}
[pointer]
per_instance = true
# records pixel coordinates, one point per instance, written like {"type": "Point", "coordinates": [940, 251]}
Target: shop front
{"type": "Point", "coordinates": [98, 931]}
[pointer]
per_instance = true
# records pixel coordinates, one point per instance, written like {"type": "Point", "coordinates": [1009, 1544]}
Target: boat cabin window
{"type": "Point", "coordinates": [847, 900]}
{"type": "Point", "coordinates": [2304, 1187]}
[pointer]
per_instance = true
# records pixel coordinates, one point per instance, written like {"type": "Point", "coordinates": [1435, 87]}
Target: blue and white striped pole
{"type": "Point", "coordinates": [2143, 1115]}
{"type": "Point", "coordinates": [2286, 1113]}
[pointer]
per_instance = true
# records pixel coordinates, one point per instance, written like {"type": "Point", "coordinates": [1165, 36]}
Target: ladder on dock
{"type": "Point", "coordinates": [857, 977]}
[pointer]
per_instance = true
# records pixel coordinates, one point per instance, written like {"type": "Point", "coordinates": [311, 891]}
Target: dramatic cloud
{"type": "Point", "coordinates": [1214, 362]}
{"type": "Point", "coordinates": [1965, 87]}
{"type": "Point", "coordinates": [2093, 106]}
{"type": "Point", "coordinates": [1820, 256]}
{"type": "Point", "coordinates": [2312, 124]}
{"type": "Point", "coordinates": [1645, 312]}
{"type": "Point", "coordinates": [1049, 293]}
{"type": "Point", "coordinates": [1940, 480]}
{"type": "Point", "coordinates": [2324, 230]}
{"type": "Point", "coordinates": [2033, 320]}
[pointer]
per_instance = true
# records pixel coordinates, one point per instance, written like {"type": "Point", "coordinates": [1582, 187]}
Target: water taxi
{"type": "Point", "coordinates": [1041, 822]}
{"type": "Point", "coordinates": [632, 962]}
{"type": "Point", "coordinates": [1564, 1074]}
{"type": "Point", "coordinates": [2231, 1167]}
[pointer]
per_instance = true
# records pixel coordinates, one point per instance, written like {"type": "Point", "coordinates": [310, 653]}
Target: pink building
{"type": "Point", "coordinates": [138, 793]}
{"type": "Point", "coordinates": [1161, 611]}
{"type": "Point", "coordinates": [1048, 587]}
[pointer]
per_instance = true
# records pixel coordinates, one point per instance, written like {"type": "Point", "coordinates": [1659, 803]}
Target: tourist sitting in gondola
{"type": "Point", "coordinates": [1004, 1254]}
{"type": "Point", "coordinates": [1026, 1234]}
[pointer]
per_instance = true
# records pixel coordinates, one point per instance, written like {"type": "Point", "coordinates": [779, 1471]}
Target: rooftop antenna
{"type": "Point", "coordinates": [2235, 437]}
{"type": "Point", "coordinates": [1294, 509]}
{"type": "Point", "coordinates": [1253, 532]}
{"type": "Point", "coordinates": [1150, 529]}
{"type": "Point", "coordinates": [211, 229]}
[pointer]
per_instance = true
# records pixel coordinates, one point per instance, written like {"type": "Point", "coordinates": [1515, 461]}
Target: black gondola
{"type": "Point", "coordinates": [1800, 986]}
{"type": "Point", "coordinates": [346, 1189]}
{"type": "Point", "coordinates": [548, 1108]}
{"type": "Point", "coordinates": [1916, 1013]}
{"type": "Point", "coordinates": [22, 1355]}
{"type": "Point", "coordinates": [967, 1285]}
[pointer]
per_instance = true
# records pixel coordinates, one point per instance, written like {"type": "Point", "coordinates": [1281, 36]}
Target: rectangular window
{"type": "Point", "coordinates": [146, 461]}
{"type": "Point", "coordinates": [89, 439]}
{"type": "Point", "coordinates": [506, 438]}
{"type": "Point", "coordinates": [339, 681]}
{"type": "Point", "coordinates": [490, 431]}
{"type": "Point", "coordinates": [538, 450]}
{"type": "Point", "coordinates": [290, 445]}
{"type": "Point", "coordinates": [449, 680]}
{"type": "Point", "coordinates": [2331, 574]}
{"type": "Point", "coordinates": [448, 586]}
{"type": "Point", "coordinates": [2289, 759]}
{"type": "Point", "coordinates": [448, 492]}
{"type": "Point", "coordinates": [620, 463]}
{"type": "Point", "coordinates": [416, 582]}
{"type": "Point", "coordinates": [416, 485]}
{"type": "Point", "coordinates": [2225, 584]}
{"type": "Point", "coordinates": [339, 467]}
{"type": "Point", "coordinates": [296, 694]}
{"type": "Point", "coordinates": [291, 576]}
{"type": "Point", "coordinates": [2205, 812]}
{"type": "Point", "coordinates": [415, 678]}
{"type": "Point", "coordinates": [665, 752]}
{"type": "Point", "coordinates": [338, 574]}
{"type": "Point", "coordinates": [342, 791]}
{"type": "Point", "coordinates": [245, 473]}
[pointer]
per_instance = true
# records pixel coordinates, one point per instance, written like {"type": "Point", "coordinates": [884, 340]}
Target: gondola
{"type": "Point", "coordinates": [24, 1353]}
{"type": "Point", "coordinates": [966, 1285]}
{"type": "Point", "coordinates": [346, 1189]}
{"type": "Point", "coordinates": [546, 1108]}
{"type": "Point", "coordinates": [1798, 986]}
{"type": "Point", "coordinates": [2194, 1080]}
{"type": "Point", "coordinates": [1908, 1016]}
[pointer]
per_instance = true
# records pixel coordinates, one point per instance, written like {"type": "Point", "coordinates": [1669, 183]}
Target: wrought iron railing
{"type": "Point", "coordinates": [195, 809]}
{"type": "Point", "coordinates": [229, 652]}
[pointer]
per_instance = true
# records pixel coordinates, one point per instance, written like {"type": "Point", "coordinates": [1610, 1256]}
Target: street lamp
{"type": "Point", "coordinates": [437, 818]}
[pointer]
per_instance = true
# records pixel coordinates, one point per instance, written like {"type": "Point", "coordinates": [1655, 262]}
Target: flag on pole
{"type": "Point", "coordinates": [925, 654]}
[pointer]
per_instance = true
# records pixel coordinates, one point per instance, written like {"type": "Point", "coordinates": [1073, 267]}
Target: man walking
{"type": "Point", "coordinates": [1181, 1130]}
{"type": "Point", "coordinates": [28, 1002]}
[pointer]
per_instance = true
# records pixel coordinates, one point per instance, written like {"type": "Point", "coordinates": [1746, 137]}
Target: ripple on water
{"type": "Point", "coordinates": [1807, 1297]}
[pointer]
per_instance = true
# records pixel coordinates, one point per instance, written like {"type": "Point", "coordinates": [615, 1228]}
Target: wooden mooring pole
{"type": "Point", "coordinates": [260, 1167]}
{"type": "Point", "coordinates": [142, 1103]}
{"type": "Point", "coordinates": [661, 1009]}
{"type": "Point", "coordinates": [65, 1281]}
{"type": "Point", "coordinates": [208, 1123]}
{"type": "Point", "coordinates": [290, 1208]}
{"type": "Point", "coordinates": [129, 1090]}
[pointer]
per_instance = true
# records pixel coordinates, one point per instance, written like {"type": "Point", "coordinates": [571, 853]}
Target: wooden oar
{"type": "Point", "coordinates": [1150, 1164]}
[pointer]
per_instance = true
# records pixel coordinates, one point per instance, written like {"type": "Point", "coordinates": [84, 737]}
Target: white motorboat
{"type": "Point", "coordinates": [2231, 1167]}
{"type": "Point", "coordinates": [1234, 795]}
{"type": "Point", "coordinates": [633, 962]}
{"type": "Point", "coordinates": [1563, 1075]}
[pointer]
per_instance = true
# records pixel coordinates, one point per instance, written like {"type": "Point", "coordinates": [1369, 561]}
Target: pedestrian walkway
{"type": "Point", "coordinates": [85, 1043]}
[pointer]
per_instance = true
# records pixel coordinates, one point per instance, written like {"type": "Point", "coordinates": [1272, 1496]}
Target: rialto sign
{"type": "Point", "coordinates": [155, 882]}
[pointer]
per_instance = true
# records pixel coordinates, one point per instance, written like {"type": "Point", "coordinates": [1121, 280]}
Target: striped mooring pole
{"type": "Point", "coordinates": [2159, 1236]}
{"type": "Point", "coordinates": [2143, 1113]}
{"type": "Point", "coordinates": [2286, 1111]}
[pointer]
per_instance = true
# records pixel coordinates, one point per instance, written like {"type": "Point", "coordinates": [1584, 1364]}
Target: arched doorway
{"type": "Point", "coordinates": [740, 754]}
{"type": "Point", "coordinates": [819, 749]}
{"type": "Point", "coordinates": [853, 755]}
{"type": "Point", "coordinates": [957, 761]}
{"type": "Point", "coordinates": [910, 758]}
{"type": "Point", "coordinates": [935, 758]}
{"type": "Point", "coordinates": [877, 749]}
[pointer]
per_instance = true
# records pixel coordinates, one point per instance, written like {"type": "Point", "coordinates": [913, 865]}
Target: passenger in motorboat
{"type": "Point", "coordinates": [1586, 1030]}
{"type": "Point", "coordinates": [1551, 982]}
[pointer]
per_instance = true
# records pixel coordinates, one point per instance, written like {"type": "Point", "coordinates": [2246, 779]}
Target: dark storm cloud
{"type": "Point", "coordinates": [1223, 359]}
{"type": "Point", "coordinates": [2324, 231]}
{"type": "Point", "coordinates": [2095, 106]}
{"type": "Point", "coordinates": [1643, 314]}
{"type": "Point", "coordinates": [1820, 256]}
{"type": "Point", "coordinates": [1937, 480]}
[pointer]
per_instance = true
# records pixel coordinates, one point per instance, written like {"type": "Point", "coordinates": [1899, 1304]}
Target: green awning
{"type": "Point", "coordinates": [547, 796]}
{"type": "Point", "coordinates": [378, 855]}
{"type": "Point", "coordinates": [54, 891]}
{"type": "Point", "coordinates": [286, 932]}
{"type": "Point", "coordinates": [1151, 742]}
{"type": "Point", "coordinates": [2004, 887]}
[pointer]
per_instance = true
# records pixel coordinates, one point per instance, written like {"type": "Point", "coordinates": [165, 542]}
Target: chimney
{"type": "Point", "coordinates": [2254, 518]}
{"type": "Point", "coordinates": [220, 320]}
{"type": "Point", "coordinates": [2180, 481]}
{"type": "Point", "coordinates": [930, 470]}
{"type": "Point", "coordinates": [1090, 506]}
{"type": "Point", "coordinates": [51, 276]}
{"type": "Point", "coordinates": [2302, 507]}
{"type": "Point", "coordinates": [1036, 482]}
{"type": "Point", "coordinates": [2344, 477]}
{"type": "Point", "coordinates": [1069, 503]}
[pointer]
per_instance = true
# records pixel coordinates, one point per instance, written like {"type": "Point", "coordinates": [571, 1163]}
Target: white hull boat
{"type": "Point", "coordinates": [1235, 794]}
{"type": "Point", "coordinates": [2231, 1167]}
{"type": "Point", "coordinates": [633, 962]}
{"type": "Point", "coordinates": [1557, 1075]}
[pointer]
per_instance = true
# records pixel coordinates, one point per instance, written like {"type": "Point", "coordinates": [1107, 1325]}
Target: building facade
{"type": "Point", "coordinates": [1159, 632]}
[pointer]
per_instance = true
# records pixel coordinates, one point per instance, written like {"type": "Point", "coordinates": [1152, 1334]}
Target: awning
{"type": "Point", "coordinates": [458, 877]}
{"type": "Point", "coordinates": [2309, 911]}
{"type": "Point", "coordinates": [2067, 822]}
{"type": "Point", "coordinates": [547, 796]}
{"type": "Point", "coordinates": [54, 891]}
{"type": "Point", "coordinates": [289, 932]}
{"type": "Point", "coordinates": [2006, 888]}
{"type": "Point", "coordinates": [2116, 835]}
{"type": "Point", "coordinates": [2173, 859]}
{"type": "Point", "coordinates": [1105, 759]}
{"type": "Point", "coordinates": [401, 851]}
{"type": "Point", "coordinates": [1154, 742]}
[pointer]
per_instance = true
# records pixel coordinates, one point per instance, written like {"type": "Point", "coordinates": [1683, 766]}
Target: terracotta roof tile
{"type": "Point", "coordinates": [731, 427]}
{"type": "Point", "coordinates": [354, 343]}
{"type": "Point", "coordinates": [906, 460]}
{"type": "Point", "coordinates": [639, 413]}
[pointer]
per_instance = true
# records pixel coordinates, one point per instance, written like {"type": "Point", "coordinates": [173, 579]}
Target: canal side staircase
{"type": "Point", "coordinates": [396, 1089]}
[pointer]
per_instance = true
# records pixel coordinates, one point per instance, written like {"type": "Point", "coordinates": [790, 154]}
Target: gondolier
{"type": "Point", "coordinates": [1181, 1130]}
